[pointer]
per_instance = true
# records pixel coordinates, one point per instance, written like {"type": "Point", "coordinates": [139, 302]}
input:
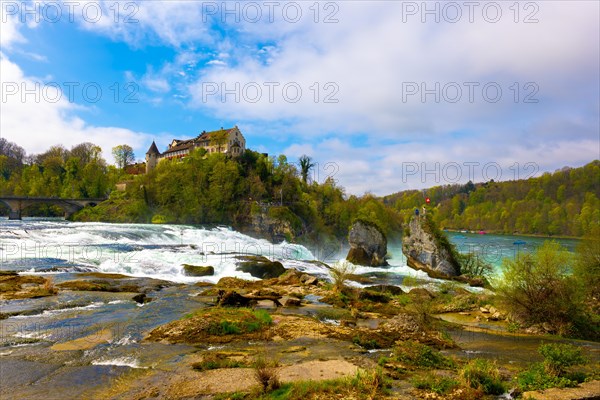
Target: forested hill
{"type": "Point", "coordinates": [565, 202]}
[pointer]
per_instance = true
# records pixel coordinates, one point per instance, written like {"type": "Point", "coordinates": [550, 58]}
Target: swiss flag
{"type": "Point", "coordinates": [427, 200]}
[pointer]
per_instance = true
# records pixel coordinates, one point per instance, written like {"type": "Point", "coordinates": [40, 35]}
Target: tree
{"type": "Point", "coordinates": [123, 155]}
{"type": "Point", "coordinates": [219, 139]}
{"type": "Point", "coordinates": [305, 166]}
{"type": "Point", "coordinates": [587, 263]}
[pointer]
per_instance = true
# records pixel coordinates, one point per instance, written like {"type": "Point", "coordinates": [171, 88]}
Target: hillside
{"type": "Point", "coordinates": [565, 203]}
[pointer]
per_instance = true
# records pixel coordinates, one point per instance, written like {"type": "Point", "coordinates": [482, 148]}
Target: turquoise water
{"type": "Point", "coordinates": [494, 248]}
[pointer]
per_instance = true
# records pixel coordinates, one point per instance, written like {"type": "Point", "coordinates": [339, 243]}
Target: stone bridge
{"type": "Point", "coordinates": [16, 205]}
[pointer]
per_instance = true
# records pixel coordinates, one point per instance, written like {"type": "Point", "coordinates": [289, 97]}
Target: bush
{"type": "Point", "coordinates": [340, 273]}
{"type": "Point", "coordinates": [474, 265]}
{"type": "Point", "coordinates": [483, 375]}
{"type": "Point", "coordinates": [558, 357]}
{"type": "Point", "coordinates": [538, 287]}
{"type": "Point", "coordinates": [587, 263]}
{"type": "Point", "coordinates": [553, 371]}
{"type": "Point", "coordinates": [537, 378]}
{"type": "Point", "coordinates": [267, 374]}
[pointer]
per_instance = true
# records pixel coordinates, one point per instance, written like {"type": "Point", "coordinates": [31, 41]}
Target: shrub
{"type": "Point", "coordinates": [483, 375]}
{"type": "Point", "coordinates": [340, 273]}
{"type": "Point", "coordinates": [587, 263]}
{"type": "Point", "coordinates": [474, 265]}
{"type": "Point", "coordinates": [559, 356]}
{"type": "Point", "coordinates": [537, 378]}
{"type": "Point", "coordinates": [553, 371]}
{"type": "Point", "coordinates": [267, 374]}
{"type": "Point", "coordinates": [538, 287]}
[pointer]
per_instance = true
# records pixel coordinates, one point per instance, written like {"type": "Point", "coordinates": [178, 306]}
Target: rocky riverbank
{"type": "Point", "coordinates": [181, 341]}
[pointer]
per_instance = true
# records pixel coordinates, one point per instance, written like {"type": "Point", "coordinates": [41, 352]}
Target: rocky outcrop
{"type": "Point", "coordinates": [198, 270]}
{"type": "Point", "coordinates": [427, 249]}
{"type": "Point", "coordinates": [260, 267]}
{"type": "Point", "coordinates": [262, 225]}
{"type": "Point", "coordinates": [368, 244]}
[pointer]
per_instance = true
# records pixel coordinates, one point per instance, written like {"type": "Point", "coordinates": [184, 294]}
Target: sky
{"type": "Point", "coordinates": [383, 95]}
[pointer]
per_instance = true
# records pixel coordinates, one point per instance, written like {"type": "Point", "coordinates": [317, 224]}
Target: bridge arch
{"type": "Point", "coordinates": [16, 205]}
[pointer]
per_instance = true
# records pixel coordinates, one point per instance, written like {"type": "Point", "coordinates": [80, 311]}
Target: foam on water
{"type": "Point", "coordinates": [119, 362]}
{"type": "Point", "coordinates": [156, 251]}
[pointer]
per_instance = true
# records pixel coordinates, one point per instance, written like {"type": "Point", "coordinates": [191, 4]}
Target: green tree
{"type": "Point", "coordinates": [123, 155]}
{"type": "Point", "coordinates": [306, 165]}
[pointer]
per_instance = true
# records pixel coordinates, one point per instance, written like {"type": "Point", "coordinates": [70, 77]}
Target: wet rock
{"type": "Point", "coordinates": [141, 298]}
{"type": "Point", "coordinates": [233, 299]}
{"type": "Point", "coordinates": [376, 297]}
{"type": "Point", "coordinates": [390, 289]}
{"type": "Point", "coordinates": [197, 270]}
{"type": "Point", "coordinates": [292, 302]}
{"type": "Point", "coordinates": [421, 293]}
{"type": "Point", "coordinates": [14, 286]}
{"type": "Point", "coordinates": [368, 244]}
{"type": "Point", "coordinates": [129, 284]}
{"type": "Point", "coordinates": [260, 267]}
{"type": "Point", "coordinates": [309, 280]}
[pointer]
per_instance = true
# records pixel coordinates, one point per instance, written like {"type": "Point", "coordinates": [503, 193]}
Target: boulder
{"type": "Point", "coordinates": [375, 297]}
{"type": "Point", "coordinates": [141, 298]}
{"type": "Point", "coordinates": [426, 248]}
{"type": "Point", "coordinates": [260, 267]}
{"type": "Point", "coordinates": [198, 270]}
{"type": "Point", "coordinates": [292, 302]}
{"type": "Point", "coordinates": [390, 289]}
{"type": "Point", "coordinates": [368, 244]}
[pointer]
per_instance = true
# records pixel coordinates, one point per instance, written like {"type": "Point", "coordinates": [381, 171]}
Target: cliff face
{"type": "Point", "coordinates": [261, 225]}
{"type": "Point", "coordinates": [423, 250]}
{"type": "Point", "coordinates": [368, 245]}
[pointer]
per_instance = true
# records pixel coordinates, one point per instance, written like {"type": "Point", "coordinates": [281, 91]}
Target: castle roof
{"type": "Point", "coordinates": [153, 149]}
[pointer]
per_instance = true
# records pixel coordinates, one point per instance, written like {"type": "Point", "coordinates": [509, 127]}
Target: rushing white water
{"type": "Point", "coordinates": [157, 251]}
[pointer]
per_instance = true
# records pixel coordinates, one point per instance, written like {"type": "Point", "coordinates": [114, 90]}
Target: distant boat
{"type": "Point", "coordinates": [464, 231]}
{"type": "Point", "coordinates": [481, 232]}
{"type": "Point", "coordinates": [519, 242]}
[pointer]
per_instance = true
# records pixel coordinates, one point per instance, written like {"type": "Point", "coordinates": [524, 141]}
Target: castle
{"type": "Point", "coordinates": [228, 141]}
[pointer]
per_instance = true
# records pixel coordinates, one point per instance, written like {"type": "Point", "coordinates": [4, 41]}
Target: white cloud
{"type": "Point", "coordinates": [37, 121]}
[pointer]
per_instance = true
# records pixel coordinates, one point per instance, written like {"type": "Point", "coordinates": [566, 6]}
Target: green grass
{"type": "Point", "coordinates": [336, 314]}
{"type": "Point", "coordinates": [364, 385]}
{"type": "Point", "coordinates": [482, 375]}
{"type": "Point", "coordinates": [421, 355]}
{"type": "Point", "coordinates": [434, 383]}
{"type": "Point", "coordinates": [237, 321]}
{"type": "Point", "coordinates": [216, 361]}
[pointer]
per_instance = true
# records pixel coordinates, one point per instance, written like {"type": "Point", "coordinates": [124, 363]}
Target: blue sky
{"type": "Point", "coordinates": [370, 90]}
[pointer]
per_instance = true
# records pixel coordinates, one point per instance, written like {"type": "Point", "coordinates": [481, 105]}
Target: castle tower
{"type": "Point", "coordinates": [152, 157]}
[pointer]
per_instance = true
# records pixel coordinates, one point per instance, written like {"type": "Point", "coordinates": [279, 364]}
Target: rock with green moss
{"type": "Point", "coordinates": [368, 244]}
{"type": "Point", "coordinates": [198, 270]}
{"type": "Point", "coordinates": [260, 267]}
{"type": "Point", "coordinates": [427, 248]}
